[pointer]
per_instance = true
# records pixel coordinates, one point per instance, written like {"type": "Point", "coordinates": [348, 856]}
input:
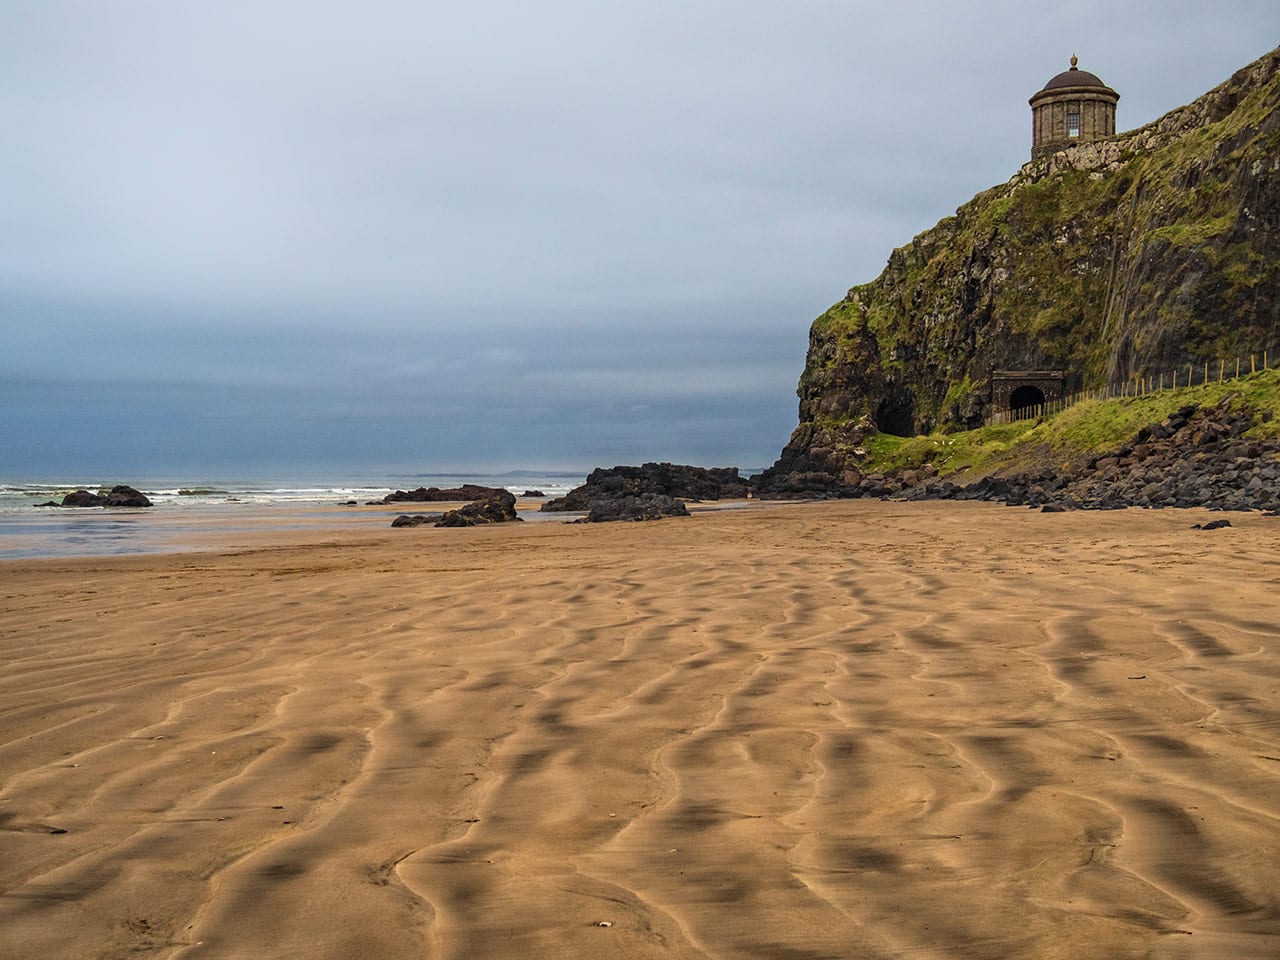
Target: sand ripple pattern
{"type": "Point", "coordinates": [852, 731]}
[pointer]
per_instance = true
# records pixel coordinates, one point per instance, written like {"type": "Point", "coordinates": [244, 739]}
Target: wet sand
{"type": "Point", "coordinates": [862, 730]}
{"type": "Point", "coordinates": [95, 531]}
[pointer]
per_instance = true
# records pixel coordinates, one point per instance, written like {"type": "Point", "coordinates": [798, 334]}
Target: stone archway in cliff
{"type": "Point", "coordinates": [1024, 398]}
{"type": "Point", "coordinates": [1017, 392]}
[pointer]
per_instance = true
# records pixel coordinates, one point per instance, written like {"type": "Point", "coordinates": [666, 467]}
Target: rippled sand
{"type": "Point", "coordinates": [856, 730]}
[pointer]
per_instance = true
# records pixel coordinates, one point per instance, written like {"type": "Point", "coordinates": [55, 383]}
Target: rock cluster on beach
{"type": "Point", "coordinates": [121, 495]}
{"type": "Point", "coordinates": [645, 506]}
{"type": "Point", "coordinates": [807, 481]}
{"type": "Point", "coordinates": [1194, 458]}
{"type": "Point", "coordinates": [496, 506]}
{"type": "Point", "coordinates": [616, 493]}
{"type": "Point", "coordinates": [415, 519]}
{"type": "Point", "coordinates": [468, 491]}
{"type": "Point", "coordinates": [1197, 457]}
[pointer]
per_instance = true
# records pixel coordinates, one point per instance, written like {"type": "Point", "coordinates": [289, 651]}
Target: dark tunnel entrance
{"type": "Point", "coordinates": [1024, 400]}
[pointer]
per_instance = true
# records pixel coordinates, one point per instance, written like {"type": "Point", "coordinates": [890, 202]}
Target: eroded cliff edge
{"type": "Point", "coordinates": [1156, 248]}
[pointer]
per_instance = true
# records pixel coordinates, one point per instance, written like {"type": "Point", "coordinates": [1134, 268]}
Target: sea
{"type": "Point", "coordinates": [185, 510]}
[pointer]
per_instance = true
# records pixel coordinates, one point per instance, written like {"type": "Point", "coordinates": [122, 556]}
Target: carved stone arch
{"type": "Point", "coordinates": [1019, 389]}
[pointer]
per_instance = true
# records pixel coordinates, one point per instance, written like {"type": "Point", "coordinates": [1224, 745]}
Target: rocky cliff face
{"type": "Point", "coordinates": [1110, 260]}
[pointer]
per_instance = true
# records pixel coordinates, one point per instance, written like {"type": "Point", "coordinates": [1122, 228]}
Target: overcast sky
{"type": "Point", "coordinates": [242, 236]}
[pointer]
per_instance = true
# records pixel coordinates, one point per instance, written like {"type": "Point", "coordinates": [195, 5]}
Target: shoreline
{"type": "Point", "coordinates": [849, 728]}
{"type": "Point", "coordinates": [104, 532]}
{"type": "Point", "coordinates": [147, 531]}
{"type": "Point", "coordinates": [90, 532]}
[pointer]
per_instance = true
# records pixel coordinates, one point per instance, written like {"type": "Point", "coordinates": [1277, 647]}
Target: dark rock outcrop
{"type": "Point", "coordinates": [851, 484]}
{"type": "Point", "coordinates": [121, 495]}
{"type": "Point", "coordinates": [499, 507]}
{"type": "Point", "coordinates": [664, 479]}
{"type": "Point", "coordinates": [83, 498]}
{"type": "Point", "coordinates": [414, 519]}
{"type": "Point", "coordinates": [645, 506]}
{"type": "Point", "coordinates": [466, 492]}
{"type": "Point", "coordinates": [1211, 525]}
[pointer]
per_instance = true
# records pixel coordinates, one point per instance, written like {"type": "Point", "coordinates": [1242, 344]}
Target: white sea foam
{"type": "Point", "coordinates": [27, 530]}
{"type": "Point", "coordinates": [23, 493]}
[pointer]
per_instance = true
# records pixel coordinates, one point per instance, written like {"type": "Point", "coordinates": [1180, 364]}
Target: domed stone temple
{"type": "Point", "coordinates": [1074, 107]}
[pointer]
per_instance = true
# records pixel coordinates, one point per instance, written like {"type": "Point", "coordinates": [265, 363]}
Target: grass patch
{"type": "Point", "coordinates": [1193, 234]}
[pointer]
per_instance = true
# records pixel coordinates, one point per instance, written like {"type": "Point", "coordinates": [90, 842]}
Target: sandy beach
{"type": "Point", "coordinates": [854, 730]}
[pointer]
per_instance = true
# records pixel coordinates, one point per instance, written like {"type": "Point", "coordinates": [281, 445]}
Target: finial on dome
{"type": "Point", "coordinates": [1074, 61]}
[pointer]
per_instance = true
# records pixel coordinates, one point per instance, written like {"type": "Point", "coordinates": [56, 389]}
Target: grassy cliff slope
{"type": "Point", "coordinates": [1063, 441]}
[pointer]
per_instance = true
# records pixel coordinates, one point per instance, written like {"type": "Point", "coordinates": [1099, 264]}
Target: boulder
{"type": "Point", "coordinates": [500, 507]}
{"type": "Point", "coordinates": [123, 495]}
{"type": "Point", "coordinates": [83, 498]}
{"type": "Point", "coordinates": [813, 485]}
{"type": "Point", "coordinates": [664, 479]}
{"type": "Point", "coordinates": [466, 492]}
{"type": "Point", "coordinates": [414, 519]}
{"type": "Point", "coordinates": [647, 506]}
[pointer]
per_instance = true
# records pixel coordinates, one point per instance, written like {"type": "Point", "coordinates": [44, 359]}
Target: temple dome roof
{"type": "Point", "coordinates": [1075, 77]}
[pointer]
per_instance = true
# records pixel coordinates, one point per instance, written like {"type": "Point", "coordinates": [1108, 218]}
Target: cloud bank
{"type": "Point", "coordinates": [418, 235]}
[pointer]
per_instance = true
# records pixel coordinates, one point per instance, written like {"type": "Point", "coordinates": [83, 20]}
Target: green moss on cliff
{"type": "Point", "coordinates": [958, 392]}
{"type": "Point", "coordinates": [1193, 233]}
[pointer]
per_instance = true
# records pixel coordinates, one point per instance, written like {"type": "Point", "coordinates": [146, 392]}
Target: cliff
{"type": "Point", "coordinates": [1109, 260]}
